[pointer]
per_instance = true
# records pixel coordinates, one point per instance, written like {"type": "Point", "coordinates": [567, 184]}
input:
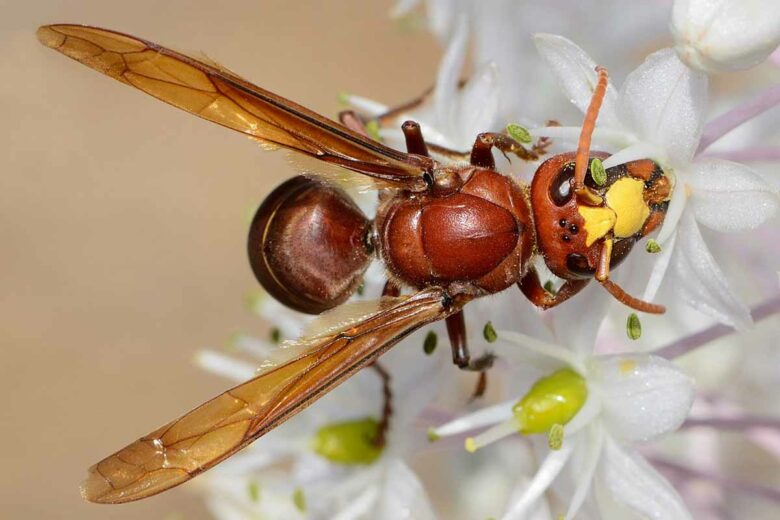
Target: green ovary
{"type": "Point", "coordinates": [554, 399]}
{"type": "Point", "coordinates": [349, 442]}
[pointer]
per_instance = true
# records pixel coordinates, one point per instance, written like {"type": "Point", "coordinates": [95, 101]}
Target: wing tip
{"type": "Point", "coordinates": [49, 37]}
{"type": "Point", "coordinates": [94, 488]}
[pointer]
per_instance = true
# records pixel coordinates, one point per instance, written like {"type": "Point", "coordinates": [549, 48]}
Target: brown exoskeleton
{"type": "Point", "coordinates": [451, 233]}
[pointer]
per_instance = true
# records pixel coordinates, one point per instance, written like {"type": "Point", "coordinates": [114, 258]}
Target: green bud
{"type": "Point", "coordinates": [254, 490]}
{"type": "Point", "coordinates": [598, 172]}
{"type": "Point", "coordinates": [489, 333]}
{"type": "Point", "coordinates": [275, 334]}
{"type": "Point", "coordinates": [349, 442]}
{"type": "Point", "coordinates": [554, 399]}
{"type": "Point", "coordinates": [633, 326]}
{"type": "Point", "coordinates": [550, 287]}
{"type": "Point", "coordinates": [361, 289]}
{"type": "Point", "coordinates": [555, 437]}
{"type": "Point", "coordinates": [652, 246]}
{"type": "Point", "coordinates": [432, 435]}
{"type": "Point", "coordinates": [299, 499]}
{"type": "Point", "coordinates": [519, 133]}
{"type": "Point", "coordinates": [372, 129]}
{"type": "Point", "coordinates": [343, 98]}
{"type": "Point", "coordinates": [429, 345]}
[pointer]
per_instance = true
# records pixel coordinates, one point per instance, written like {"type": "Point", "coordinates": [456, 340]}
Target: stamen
{"type": "Point", "coordinates": [254, 490]}
{"type": "Point", "coordinates": [493, 434]}
{"type": "Point", "coordinates": [598, 172]}
{"type": "Point", "coordinates": [633, 326]}
{"type": "Point", "coordinates": [548, 470]}
{"type": "Point", "coordinates": [519, 133]}
{"type": "Point", "coordinates": [479, 419]}
{"type": "Point", "coordinates": [429, 345]}
{"type": "Point", "coordinates": [299, 499]}
{"type": "Point", "coordinates": [489, 333]}
{"type": "Point", "coordinates": [555, 437]}
{"type": "Point", "coordinates": [540, 347]}
{"type": "Point", "coordinates": [652, 246]}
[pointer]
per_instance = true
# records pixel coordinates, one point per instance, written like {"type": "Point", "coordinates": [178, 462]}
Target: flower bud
{"type": "Point", "coordinates": [725, 35]}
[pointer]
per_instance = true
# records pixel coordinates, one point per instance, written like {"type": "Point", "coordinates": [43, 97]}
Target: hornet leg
{"type": "Point", "coordinates": [456, 330]}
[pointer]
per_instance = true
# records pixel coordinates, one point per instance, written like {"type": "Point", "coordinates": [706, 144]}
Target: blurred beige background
{"type": "Point", "coordinates": [123, 223]}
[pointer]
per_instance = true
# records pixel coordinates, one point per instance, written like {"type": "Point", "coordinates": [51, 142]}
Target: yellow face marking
{"type": "Point", "coordinates": [598, 222]}
{"type": "Point", "coordinates": [625, 197]}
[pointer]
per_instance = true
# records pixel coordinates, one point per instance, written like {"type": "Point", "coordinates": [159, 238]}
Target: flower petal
{"type": "Point", "coordinates": [548, 470]}
{"type": "Point", "coordinates": [588, 469]}
{"type": "Point", "coordinates": [660, 267]}
{"type": "Point", "coordinates": [225, 366]}
{"type": "Point", "coordinates": [448, 76]}
{"type": "Point", "coordinates": [403, 8]}
{"type": "Point", "coordinates": [700, 282]}
{"type": "Point", "coordinates": [642, 396]}
{"type": "Point", "coordinates": [663, 102]}
{"type": "Point", "coordinates": [633, 482]}
{"type": "Point", "coordinates": [538, 511]}
{"type": "Point", "coordinates": [729, 196]}
{"type": "Point", "coordinates": [582, 338]}
{"type": "Point", "coordinates": [576, 73]}
{"type": "Point", "coordinates": [674, 212]}
{"type": "Point", "coordinates": [478, 105]}
{"type": "Point", "coordinates": [403, 496]}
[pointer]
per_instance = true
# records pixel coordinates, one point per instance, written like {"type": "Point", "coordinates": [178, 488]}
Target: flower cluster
{"type": "Point", "coordinates": [564, 428]}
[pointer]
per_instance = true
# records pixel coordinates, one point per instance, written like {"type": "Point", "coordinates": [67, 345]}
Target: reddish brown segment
{"type": "Point", "coordinates": [560, 228]}
{"type": "Point", "coordinates": [218, 428]}
{"type": "Point", "coordinates": [213, 93]}
{"type": "Point", "coordinates": [307, 245]}
{"type": "Point", "coordinates": [468, 235]}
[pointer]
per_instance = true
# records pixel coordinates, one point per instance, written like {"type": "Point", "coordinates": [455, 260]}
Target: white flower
{"type": "Point", "coordinates": [285, 467]}
{"type": "Point", "coordinates": [714, 35]}
{"type": "Point", "coordinates": [501, 34]}
{"type": "Point", "coordinates": [454, 116]}
{"type": "Point", "coordinates": [658, 113]}
{"type": "Point", "coordinates": [375, 484]}
{"type": "Point", "coordinates": [627, 398]}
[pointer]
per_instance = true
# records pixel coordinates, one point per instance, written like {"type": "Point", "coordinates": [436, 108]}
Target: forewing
{"type": "Point", "coordinates": [218, 428]}
{"type": "Point", "coordinates": [215, 94]}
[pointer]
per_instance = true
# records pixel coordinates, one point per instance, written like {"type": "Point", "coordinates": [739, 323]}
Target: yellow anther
{"type": "Point", "coordinates": [555, 437]}
{"type": "Point", "coordinates": [626, 366]}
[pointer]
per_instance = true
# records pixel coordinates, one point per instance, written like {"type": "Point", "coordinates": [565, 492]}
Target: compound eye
{"type": "Point", "coordinates": [560, 188]}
